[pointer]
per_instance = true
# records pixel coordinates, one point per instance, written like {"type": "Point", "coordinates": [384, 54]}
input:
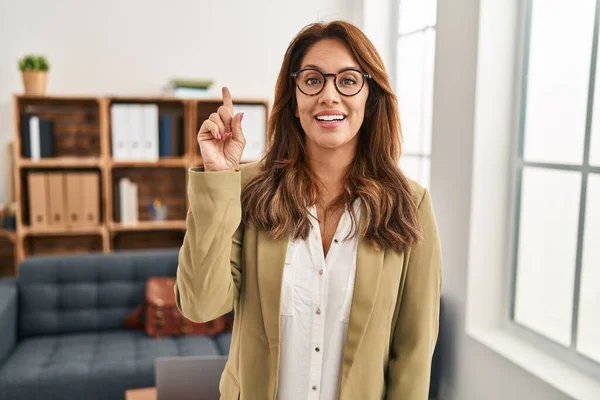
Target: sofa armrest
{"type": "Point", "coordinates": [8, 317]}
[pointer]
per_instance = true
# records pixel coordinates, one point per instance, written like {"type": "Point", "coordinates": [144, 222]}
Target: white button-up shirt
{"type": "Point", "coordinates": [316, 297]}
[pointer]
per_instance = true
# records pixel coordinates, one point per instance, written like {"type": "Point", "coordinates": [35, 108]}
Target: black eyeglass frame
{"type": "Point", "coordinates": [294, 75]}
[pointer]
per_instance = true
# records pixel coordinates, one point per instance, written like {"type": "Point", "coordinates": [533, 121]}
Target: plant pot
{"type": "Point", "coordinates": [35, 81]}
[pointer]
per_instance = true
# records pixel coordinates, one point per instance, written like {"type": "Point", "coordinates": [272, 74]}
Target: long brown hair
{"type": "Point", "coordinates": [275, 200]}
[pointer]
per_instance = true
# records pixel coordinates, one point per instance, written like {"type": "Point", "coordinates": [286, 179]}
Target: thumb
{"type": "Point", "coordinates": [236, 126]}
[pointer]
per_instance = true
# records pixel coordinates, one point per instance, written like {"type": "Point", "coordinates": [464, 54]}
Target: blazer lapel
{"type": "Point", "coordinates": [369, 265]}
{"type": "Point", "coordinates": [271, 259]}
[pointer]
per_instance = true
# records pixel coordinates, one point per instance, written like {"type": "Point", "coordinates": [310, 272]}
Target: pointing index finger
{"type": "Point", "coordinates": [227, 102]}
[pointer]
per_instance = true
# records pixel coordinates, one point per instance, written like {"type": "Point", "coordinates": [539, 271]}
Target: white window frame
{"type": "Point", "coordinates": [395, 37]}
{"type": "Point", "coordinates": [502, 27]}
{"type": "Point", "coordinates": [568, 354]}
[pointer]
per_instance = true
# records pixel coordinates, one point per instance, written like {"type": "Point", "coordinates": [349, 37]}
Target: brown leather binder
{"type": "Point", "coordinates": [56, 199]}
{"type": "Point", "coordinates": [38, 199]}
{"type": "Point", "coordinates": [73, 191]}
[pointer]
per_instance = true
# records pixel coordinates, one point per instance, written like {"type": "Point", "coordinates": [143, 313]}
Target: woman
{"type": "Point", "coordinates": [328, 255]}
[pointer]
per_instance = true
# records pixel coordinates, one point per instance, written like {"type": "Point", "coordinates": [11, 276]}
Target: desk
{"type": "Point", "coordinates": [141, 394]}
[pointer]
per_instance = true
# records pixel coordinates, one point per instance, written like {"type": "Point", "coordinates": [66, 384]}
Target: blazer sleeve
{"type": "Point", "coordinates": [417, 324]}
{"type": "Point", "coordinates": [209, 274]}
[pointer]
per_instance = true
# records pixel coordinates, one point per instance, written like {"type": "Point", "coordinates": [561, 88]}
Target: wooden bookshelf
{"type": "Point", "coordinates": [81, 140]}
{"type": "Point", "coordinates": [7, 252]}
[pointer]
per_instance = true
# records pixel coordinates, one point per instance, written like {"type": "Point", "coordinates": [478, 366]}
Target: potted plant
{"type": "Point", "coordinates": [34, 70]}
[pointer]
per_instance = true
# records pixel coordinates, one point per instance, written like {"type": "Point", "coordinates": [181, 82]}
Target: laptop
{"type": "Point", "coordinates": [189, 377]}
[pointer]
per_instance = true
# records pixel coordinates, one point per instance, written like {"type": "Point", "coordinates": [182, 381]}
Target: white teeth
{"type": "Point", "coordinates": [330, 117]}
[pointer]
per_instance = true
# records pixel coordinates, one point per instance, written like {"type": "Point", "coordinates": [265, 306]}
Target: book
{"type": "Point", "coordinates": [189, 93]}
{"type": "Point", "coordinates": [190, 83]}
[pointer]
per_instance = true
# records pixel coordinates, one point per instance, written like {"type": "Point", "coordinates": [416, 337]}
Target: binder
{"type": "Point", "coordinates": [171, 135]}
{"type": "Point", "coordinates": [165, 141]}
{"type": "Point", "coordinates": [46, 138]}
{"type": "Point", "coordinates": [119, 125]}
{"type": "Point", "coordinates": [73, 193]}
{"type": "Point", "coordinates": [255, 130]}
{"type": "Point", "coordinates": [25, 136]}
{"type": "Point", "coordinates": [56, 199]}
{"type": "Point", "coordinates": [177, 129]}
{"type": "Point", "coordinates": [135, 135]}
{"type": "Point", "coordinates": [150, 132]}
{"type": "Point", "coordinates": [124, 209]}
{"type": "Point", "coordinates": [90, 198]}
{"type": "Point", "coordinates": [34, 137]}
{"type": "Point", "coordinates": [37, 137]}
{"type": "Point", "coordinates": [38, 201]}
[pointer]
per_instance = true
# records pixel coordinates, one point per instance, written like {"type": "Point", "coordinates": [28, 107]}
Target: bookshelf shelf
{"type": "Point", "coordinates": [8, 235]}
{"type": "Point", "coordinates": [62, 162]}
{"type": "Point", "coordinates": [82, 129]}
{"type": "Point", "coordinates": [61, 231]}
{"type": "Point", "coordinates": [149, 226]}
{"type": "Point", "coordinates": [163, 162]}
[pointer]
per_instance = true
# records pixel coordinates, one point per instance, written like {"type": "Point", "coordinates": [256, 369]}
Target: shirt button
{"type": "Point", "coordinates": [318, 311]}
{"type": "Point", "coordinates": [317, 349]}
{"type": "Point", "coordinates": [321, 272]}
{"type": "Point", "coordinates": [335, 240]}
{"type": "Point", "coordinates": [314, 388]}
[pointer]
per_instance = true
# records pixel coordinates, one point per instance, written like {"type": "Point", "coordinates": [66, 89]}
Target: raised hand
{"type": "Point", "coordinates": [221, 139]}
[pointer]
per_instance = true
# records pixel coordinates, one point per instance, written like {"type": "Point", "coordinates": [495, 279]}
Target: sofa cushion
{"type": "Point", "coordinates": [99, 365]}
{"type": "Point", "coordinates": [224, 342]}
{"type": "Point", "coordinates": [83, 293]}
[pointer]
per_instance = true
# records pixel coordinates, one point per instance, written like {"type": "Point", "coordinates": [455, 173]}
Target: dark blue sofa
{"type": "Point", "coordinates": [61, 328]}
{"type": "Point", "coordinates": [61, 324]}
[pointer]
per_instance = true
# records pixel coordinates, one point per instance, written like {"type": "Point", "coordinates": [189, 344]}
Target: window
{"type": "Point", "coordinates": [556, 277]}
{"type": "Point", "coordinates": [415, 51]}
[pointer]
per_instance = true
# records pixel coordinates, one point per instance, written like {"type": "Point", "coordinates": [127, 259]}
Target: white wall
{"type": "Point", "coordinates": [135, 46]}
{"type": "Point", "coordinates": [377, 23]}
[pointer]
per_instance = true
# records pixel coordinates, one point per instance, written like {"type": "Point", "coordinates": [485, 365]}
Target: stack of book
{"type": "Point", "coordinates": [139, 133]}
{"type": "Point", "coordinates": [189, 88]}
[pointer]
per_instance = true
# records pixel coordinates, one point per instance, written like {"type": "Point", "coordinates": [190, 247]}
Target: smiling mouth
{"type": "Point", "coordinates": [330, 119]}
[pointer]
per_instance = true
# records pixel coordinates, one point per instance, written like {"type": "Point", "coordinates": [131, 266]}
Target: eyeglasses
{"type": "Point", "coordinates": [348, 82]}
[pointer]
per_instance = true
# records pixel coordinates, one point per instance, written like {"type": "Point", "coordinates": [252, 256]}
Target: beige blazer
{"type": "Point", "coordinates": [394, 315]}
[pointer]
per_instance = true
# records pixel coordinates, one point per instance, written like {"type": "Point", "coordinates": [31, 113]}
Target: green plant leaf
{"type": "Point", "coordinates": [31, 62]}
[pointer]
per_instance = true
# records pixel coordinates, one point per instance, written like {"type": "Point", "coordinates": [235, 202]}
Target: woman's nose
{"type": "Point", "coordinates": [329, 93]}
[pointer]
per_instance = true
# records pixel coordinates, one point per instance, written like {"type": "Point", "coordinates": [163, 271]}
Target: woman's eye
{"type": "Point", "coordinates": [349, 82]}
{"type": "Point", "coordinates": [312, 81]}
